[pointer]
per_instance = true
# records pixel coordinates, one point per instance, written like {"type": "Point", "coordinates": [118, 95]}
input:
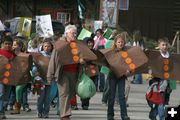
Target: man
{"type": "Point", "coordinates": [66, 74]}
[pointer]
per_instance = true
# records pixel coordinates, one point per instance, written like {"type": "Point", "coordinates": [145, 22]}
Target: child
{"type": "Point", "coordinates": [18, 48]}
{"type": "Point", "coordinates": [114, 81]}
{"type": "Point", "coordinates": [158, 109]}
{"type": "Point", "coordinates": [6, 50]}
{"type": "Point", "coordinates": [43, 102]}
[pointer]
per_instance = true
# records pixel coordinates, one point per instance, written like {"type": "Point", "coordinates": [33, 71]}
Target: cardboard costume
{"type": "Point", "coordinates": [164, 68]}
{"type": "Point", "coordinates": [41, 63]}
{"type": "Point", "coordinates": [70, 53]}
{"type": "Point", "coordinates": [15, 71]}
{"type": "Point", "coordinates": [130, 58]}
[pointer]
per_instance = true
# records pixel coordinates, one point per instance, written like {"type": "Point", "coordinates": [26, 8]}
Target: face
{"type": "Point", "coordinates": [15, 46]}
{"type": "Point", "coordinates": [163, 46]}
{"type": "Point", "coordinates": [47, 47]}
{"type": "Point", "coordinates": [90, 45]}
{"type": "Point", "coordinates": [120, 43]}
{"type": "Point", "coordinates": [71, 35]}
{"type": "Point", "coordinates": [6, 45]}
{"type": "Point", "coordinates": [98, 34]}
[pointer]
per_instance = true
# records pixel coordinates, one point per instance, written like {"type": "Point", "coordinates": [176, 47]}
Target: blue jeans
{"type": "Point", "coordinates": [157, 110]}
{"type": "Point", "coordinates": [43, 104]}
{"type": "Point", "coordinates": [137, 79]}
{"type": "Point", "coordinates": [5, 91]}
{"type": "Point", "coordinates": [24, 98]}
{"type": "Point", "coordinates": [120, 85]}
{"type": "Point", "coordinates": [54, 94]}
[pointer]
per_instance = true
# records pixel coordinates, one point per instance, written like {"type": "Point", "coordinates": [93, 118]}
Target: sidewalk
{"type": "Point", "coordinates": [137, 110]}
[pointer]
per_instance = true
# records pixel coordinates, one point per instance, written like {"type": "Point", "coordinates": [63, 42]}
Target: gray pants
{"type": "Point", "coordinates": [66, 87]}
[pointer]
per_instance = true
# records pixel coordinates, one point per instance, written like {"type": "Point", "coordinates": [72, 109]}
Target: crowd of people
{"type": "Point", "coordinates": [59, 84]}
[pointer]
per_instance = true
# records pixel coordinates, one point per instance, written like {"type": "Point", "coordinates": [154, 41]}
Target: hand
{"type": "Point", "coordinates": [81, 60]}
{"type": "Point", "coordinates": [127, 73]}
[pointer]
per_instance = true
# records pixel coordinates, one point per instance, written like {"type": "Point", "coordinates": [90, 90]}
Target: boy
{"type": "Point", "coordinates": [158, 109]}
{"type": "Point", "coordinates": [6, 51]}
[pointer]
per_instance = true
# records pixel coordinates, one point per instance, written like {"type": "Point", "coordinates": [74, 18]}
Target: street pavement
{"type": "Point", "coordinates": [137, 110]}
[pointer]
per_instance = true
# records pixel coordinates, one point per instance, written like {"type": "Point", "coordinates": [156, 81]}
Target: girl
{"type": "Point", "coordinates": [43, 102]}
{"type": "Point", "coordinates": [114, 81]}
{"type": "Point", "coordinates": [18, 48]}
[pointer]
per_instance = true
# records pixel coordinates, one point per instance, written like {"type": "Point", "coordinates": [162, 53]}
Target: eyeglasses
{"type": "Point", "coordinates": [74, 33]}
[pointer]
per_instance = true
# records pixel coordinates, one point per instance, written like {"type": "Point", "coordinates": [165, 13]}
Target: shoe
{"type": "Point", "coordinates": [104, 103]}
{"type": "Point", "coordinates": [2, 116]}
{"type": "Point", "coordinates": [27, 109]}
{"type": "Point", "coordinates": [53, 104]}
{"type": "Point", "coordinates": [74, 107]}
{"type": "Point", "coordinates": [45, 116]}
{"type": "Point", "coordinates": [85, 107]}
{"type": "Point", "coordinates": [11, 107]}
{"type": "Point", "coordinates": [40, 115]}
{"type": "Point", "coordinates": [65, 118]}
{"type": "Point", "coordinates": [126, 118]}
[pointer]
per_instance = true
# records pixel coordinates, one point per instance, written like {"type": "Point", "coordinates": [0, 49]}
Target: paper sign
{"type": "Point", "coordinates": [1, 26]}
{"type": "Point", "coordinates": [44, 26]}
{"type": "Point", "coordinates": [84, 33]}
{"type": "Point", "coordinates": [98, 24]}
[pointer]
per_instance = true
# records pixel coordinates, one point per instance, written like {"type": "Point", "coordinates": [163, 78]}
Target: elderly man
{"type": "Point", "coordinates": [64, 67]}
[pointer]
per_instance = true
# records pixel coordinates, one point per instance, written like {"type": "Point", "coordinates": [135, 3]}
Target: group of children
{"type": "Point", "coordinates": [11, 47]}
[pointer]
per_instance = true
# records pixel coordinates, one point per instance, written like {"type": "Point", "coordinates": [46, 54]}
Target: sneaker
{"type": "Point", "coordinates": [40, 115]}
{"type": "Point", "coordinates": [74, 107]}
{"type": "Point", "coordinates": [2, 116]}
{"type": "Point", "coordinates": [27, 109]}
{"type": "Point", "coordinates": [104, 103]}
{"type": "Point", "coordinates": [45, 116]}
{"type": "Point", "coordinates": [11, 107]}
{"type": "Point", "coordinates": [126, 118]}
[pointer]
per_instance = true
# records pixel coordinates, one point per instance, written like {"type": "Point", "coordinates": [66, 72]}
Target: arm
{"type": "Point", "coordinates": [52, 67]}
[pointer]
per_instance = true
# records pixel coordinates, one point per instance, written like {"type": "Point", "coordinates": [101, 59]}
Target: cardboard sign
{"type": "Point", "coordinates": [25, 26]}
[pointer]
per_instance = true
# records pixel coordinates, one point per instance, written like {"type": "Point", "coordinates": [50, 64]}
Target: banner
{"type": "Point", "coordinates": [109, 12]}
{"type": "Point", "coordinates": [44, 26]}
{"type": "Point", "coordinates": [124, 4]}
{"type": "Point", "coordinates": [25, 26]}
{"type": "Point", "coordinates": [84, 33]}
{"type": "Point", "coordinates": [1, 26]}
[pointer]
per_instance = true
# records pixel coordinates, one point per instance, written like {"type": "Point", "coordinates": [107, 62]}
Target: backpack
{"type": "Point", "coordinates": [153, 95]}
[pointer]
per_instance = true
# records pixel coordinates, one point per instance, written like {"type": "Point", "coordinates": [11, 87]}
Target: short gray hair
{"type": "Point", "coordinates": [70, 27]}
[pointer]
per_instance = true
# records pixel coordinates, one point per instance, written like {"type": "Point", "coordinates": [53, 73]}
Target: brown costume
{"type": "Point", "coordinates": [15, 71]}
{"type": "Point", "coordinates": [132, 59]}
{"type": "Point", "coordinates": [41, 63]}
{"type": "Point", "coordinates": [67, 54]}
{"type": "Point", "coordinates": [164, 68]}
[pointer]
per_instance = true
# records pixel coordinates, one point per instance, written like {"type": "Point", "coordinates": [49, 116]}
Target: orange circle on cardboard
{"type": "Point", "coordinates": [7, 74]}
{"type": "Point", "coordinates": [74, 51]}
{"type": "Point", "coordinates": [166, 68]}
{"type": "Point", "coordinates": [5, 81]}
{"type": "Point", "coordinates": [128, 60]}
{"type": "Point", "coordinates": [132, 66]}
{"type": "Point", "coordinates": [73, 45]}
{"type": "Point", "coordinates": [8, 66]}
{"type": "Point", "coordinates": [124, 54]}
{"type": "Point", "coordinates": [166, 75]}
{"type": "Point", "coordinates": [166, 61]}
{"type": "Point", "coordinates": [76, 58]}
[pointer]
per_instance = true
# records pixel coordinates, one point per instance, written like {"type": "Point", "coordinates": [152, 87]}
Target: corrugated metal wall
{"type": "Point", "coordinates": [154, 18]}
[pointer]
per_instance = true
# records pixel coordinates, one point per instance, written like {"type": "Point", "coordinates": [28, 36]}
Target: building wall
{"type": "Point", "coordinates": [154, 18]}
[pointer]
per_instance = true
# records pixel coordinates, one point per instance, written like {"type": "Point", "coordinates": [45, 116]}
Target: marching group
{"type": "Point", "coordinates": [61, 79]}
